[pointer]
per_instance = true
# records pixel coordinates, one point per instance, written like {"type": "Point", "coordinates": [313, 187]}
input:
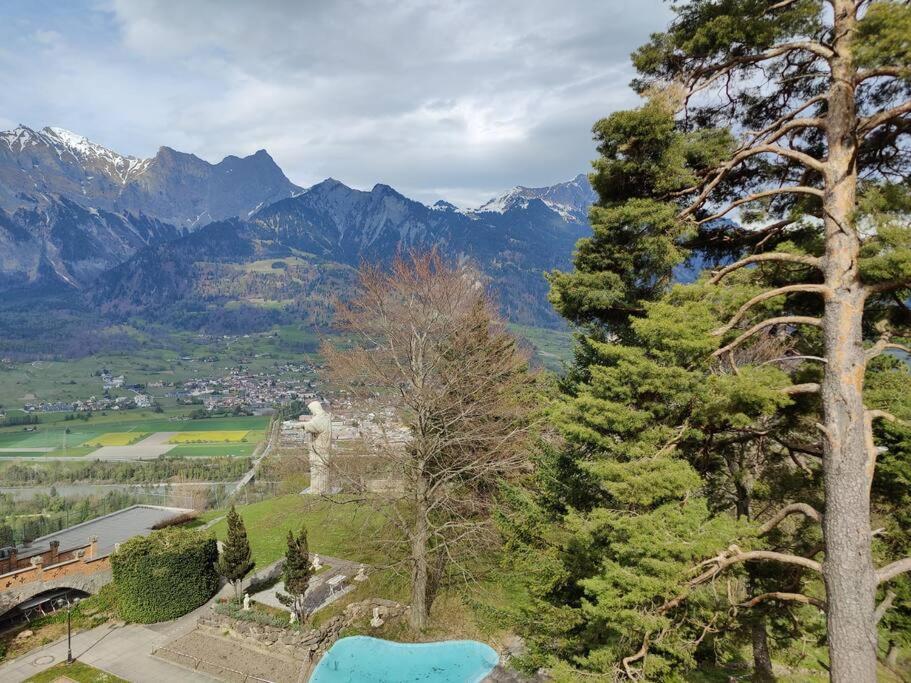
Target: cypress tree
{"type": "Point", "coordinates": [296, 573]}
{"type": "Point", "coordinates": [236, 560]}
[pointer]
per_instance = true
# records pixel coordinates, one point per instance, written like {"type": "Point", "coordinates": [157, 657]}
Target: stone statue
{"type": "Point", "coordinates": [293, 619]}
{"type": "Point", "coordinates": [361, 573]}
{"type": "Point", "coordinates": [316, 564]}
{"type": "Point", "coordinates": [320, 429]}
{"type": "Point", "coordinates": [376, 622]}
{"type": "Point", "coordinates": [246, 602]}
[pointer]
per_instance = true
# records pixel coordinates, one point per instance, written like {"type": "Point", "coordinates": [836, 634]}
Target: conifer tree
{"type": "Point", "coordinates": [296, 573]}
{"type": "Point", "coordinates": [236, 560]}
{"type": "Point", "coordinates": [795, 114]}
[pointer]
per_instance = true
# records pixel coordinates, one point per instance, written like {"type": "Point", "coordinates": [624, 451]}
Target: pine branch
{"type": "Point", "coordinates": [788, 510]}
{"type": "Point", "coordinates": [780, 128]}
{"type": "Point", "coordinates": [760, 258]}
{"type": "Point", "coordinates": [785, 597]}
{"type": "Point", "coordinates": [783, 320]}
{"type": "Point", "coordinates": [770, 294]}
{"type": "Point", "coordinates": [882, 345]}
{"type": "Point", "coordinates": [892, 71]}
{"type": "Point", "coordinates": [787, 189]}
{"type": "Point", "coordinates": [890, 571]}
{"type": "Point", "coordinates": [871, 122]}
{"type": "Point", "coordinates": [877, 414]}
{"type": "Point", "coordinates": [808, 388]}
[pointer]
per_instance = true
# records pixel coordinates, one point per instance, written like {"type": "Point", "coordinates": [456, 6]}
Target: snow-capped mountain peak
{"type": "Point", "coordinates": [570, 199]}
{"type": "Point", "coordinates": [19, 138]}
{"type": "Point", "coordinates": [121, 167]}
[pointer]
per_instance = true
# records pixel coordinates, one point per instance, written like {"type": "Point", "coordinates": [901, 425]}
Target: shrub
{"type": "Point", "coordinates": [164, 575]}
{"type": "Point", "coordinates": [179, 520]}
{"type": "Point", "coordinates": [258, 614]}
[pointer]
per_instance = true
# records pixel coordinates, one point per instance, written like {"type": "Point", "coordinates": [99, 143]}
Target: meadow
{"type": "Point", "coordinates": [115, 439]}
{"type": "Point", "coordinates": [200, 437]}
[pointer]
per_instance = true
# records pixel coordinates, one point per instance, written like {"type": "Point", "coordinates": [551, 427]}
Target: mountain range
{"type": "Point", "coordinates": [177, 238]}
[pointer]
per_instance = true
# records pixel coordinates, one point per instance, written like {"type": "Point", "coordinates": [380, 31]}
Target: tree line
{"type": "Point", "coordinates": [162, 469]}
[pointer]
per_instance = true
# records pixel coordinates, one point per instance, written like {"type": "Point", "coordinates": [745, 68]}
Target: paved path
{"type": "Point", "coordinates": [320, 592]}
{"type": "Point", "coordinates": [27, 450]}
{"type": "Point", "coordinates": [123, 650]}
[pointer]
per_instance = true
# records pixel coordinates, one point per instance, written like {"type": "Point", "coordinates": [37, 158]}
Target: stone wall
{"type": "Point", "coordinates": [304, 646]}
{"type": "Point", "coordinates": [82, 573]}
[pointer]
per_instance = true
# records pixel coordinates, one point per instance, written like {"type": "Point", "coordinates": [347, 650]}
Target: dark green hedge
{"type": "Point", "coordinates": [164, 575]}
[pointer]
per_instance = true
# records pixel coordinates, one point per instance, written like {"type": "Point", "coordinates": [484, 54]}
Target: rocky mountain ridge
{"type": "Point", "coordinates": [156, 236]}
{"type": "Point", "coordinates": [173, 187]}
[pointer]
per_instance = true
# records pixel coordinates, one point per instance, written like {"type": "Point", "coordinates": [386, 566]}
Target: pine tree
{"type": "Point", "coordinates": [795, 114]}
{"type": "Point", "coordinates": [236, 560]}
{"type": "Point", "coordinates": [296, 573]}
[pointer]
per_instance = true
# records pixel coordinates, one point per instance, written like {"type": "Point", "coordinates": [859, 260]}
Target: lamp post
{"type": "Point", "coordinates": [69, 630]}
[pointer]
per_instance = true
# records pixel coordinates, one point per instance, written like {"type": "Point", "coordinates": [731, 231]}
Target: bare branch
{"type": "Point", "coordinates": [790, 509]}
{"type": "Point", "coordinates": [639, 654]}
{"type": "Point", "coordinates": [783, 320]}
{"type": "Point", "coordinates": [882, 345]}
{"type": "Point", "coordinates": [786, 597]}
{"type": "Point", "coordinates": [883, 607]}
{"type": "Point", "coordinates": [785, 359]}
{"type": "Point", "coordinates": [869, 123]}
{"type": "Point", "coordinates": [880, 71]}
{"type": "Point", "coordinates": [760, 258]}
{"type": "Point", "coordinates": [882, 415]}
{"type": "Point", "coordinates": [808, 388]}
{"type": "Point", "coordinates": [787, 189]}
{"type": "Point", "coordinates": [890, 571]}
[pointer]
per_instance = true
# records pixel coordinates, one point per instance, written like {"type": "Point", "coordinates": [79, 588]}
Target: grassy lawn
{"type": "Point", "coordinates": [333, 528]}
{"type": "Point", "coordinates": [349, 530]}
{"type": "Point", "coordinates": [77, 671]}
{"type": "Point", "coordinates": [212, 450]}
{"type": "Point", "coordinates": [223, 436]}
{"type": "Point", "coordinates": [115, 439]}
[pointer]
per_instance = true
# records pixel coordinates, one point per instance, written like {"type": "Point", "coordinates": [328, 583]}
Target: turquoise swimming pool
{"type": "Point", "coordinates": [361, 659]}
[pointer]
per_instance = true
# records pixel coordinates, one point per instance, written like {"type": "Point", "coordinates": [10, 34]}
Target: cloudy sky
{"type": "Point", "coordinates": [451, 99]}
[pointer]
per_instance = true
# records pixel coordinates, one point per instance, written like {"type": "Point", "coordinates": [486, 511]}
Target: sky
{"type": "Point", "coordinates": [456, 99]}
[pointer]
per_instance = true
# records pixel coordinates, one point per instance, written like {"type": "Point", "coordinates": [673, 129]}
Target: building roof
{"type": "Point", "coordinates": [110, 529]}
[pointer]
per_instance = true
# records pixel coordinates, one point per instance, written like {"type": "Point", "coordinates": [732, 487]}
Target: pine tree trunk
{"type": "Point", "coordinates": [762, 658]}
{"type": "Point", "coordinates": [848, 568]}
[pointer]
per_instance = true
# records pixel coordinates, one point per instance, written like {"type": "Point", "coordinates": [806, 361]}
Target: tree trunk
{"type": "Point", "coordinates": [762, 658]}
{"type": "Point", "coordinates": [848, 568]}
{"type": "Point", "coordinates": [419, 570]}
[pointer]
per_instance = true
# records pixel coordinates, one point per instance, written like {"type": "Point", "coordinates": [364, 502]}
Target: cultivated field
{"type": "Point", "coordinates": [116, 439]}
{"type": "Point", "coordinates": [129, 433]}
{"type": "Point", "coordinates": [225, 436]}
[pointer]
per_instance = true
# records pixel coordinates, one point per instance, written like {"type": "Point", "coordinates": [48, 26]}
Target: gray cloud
{"type": "Point", "coordinates": [455, 99]}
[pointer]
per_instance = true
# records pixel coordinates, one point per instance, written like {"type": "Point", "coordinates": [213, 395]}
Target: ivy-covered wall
{"type": "Point", "coordinates": [164, 575]}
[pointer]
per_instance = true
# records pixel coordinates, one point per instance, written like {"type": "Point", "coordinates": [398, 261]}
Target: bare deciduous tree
{"type": "Point", "coordinates": [425, 343]}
